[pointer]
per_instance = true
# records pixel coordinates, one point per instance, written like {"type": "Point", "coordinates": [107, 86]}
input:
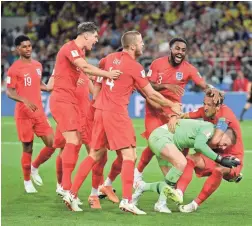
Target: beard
{"type": "Point", "coordinates": [173, 62]}
{"type": "Point", "coordinates": [138, 53]}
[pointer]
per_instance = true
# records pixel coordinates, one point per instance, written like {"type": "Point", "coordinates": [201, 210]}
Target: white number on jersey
{"type": "Point", "coordinates": [27, 81]}
{"type": "Point", "coordinates": [159, 81]}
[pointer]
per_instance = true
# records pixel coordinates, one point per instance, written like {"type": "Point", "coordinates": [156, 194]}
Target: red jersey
{"type": "Point", "coordinates": [225, 113]}
{"type": "Point", "coordinates": [66, 74]}
{"type": "Point", "coordinates": [115, 94]}
{"type": "Point", "coordinates": [161, 72]}
{"type": "Point", "coordinates": [26, 78]}
{"type": "Point", "coordinates": [240, 85]}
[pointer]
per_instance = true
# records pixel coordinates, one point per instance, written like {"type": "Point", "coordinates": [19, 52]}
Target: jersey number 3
{"type": "Point", "coordinates": [27, 81]}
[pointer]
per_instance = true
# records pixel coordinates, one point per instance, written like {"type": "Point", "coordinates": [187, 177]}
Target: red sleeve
{"type": "Point", "coordinates": [152, 74]}
{"type": "Point", "coordinates": [196, 76]}
{"type": "Point", "coordinates": [72, 53]}
{"type": "Point", "coordinates": [11, 77]}
{"type": "Point", "coordinates": [139, 76]}
{"type": "Point", "coordinates": [199, 113]}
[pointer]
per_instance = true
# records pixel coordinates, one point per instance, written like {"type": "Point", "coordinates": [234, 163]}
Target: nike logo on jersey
{"type": "Point", "coordinates": [26, 74]}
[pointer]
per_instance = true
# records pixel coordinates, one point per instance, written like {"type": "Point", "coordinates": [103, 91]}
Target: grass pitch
{"type": "Point", "coordinates": [230, 204]}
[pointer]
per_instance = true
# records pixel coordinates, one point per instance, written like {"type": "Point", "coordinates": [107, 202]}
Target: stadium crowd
{"type": "Point", "coordinates": [219, 33]}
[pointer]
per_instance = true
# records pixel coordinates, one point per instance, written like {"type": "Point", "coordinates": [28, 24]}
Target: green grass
{"type": "Point", "coordinates": [231, 204]}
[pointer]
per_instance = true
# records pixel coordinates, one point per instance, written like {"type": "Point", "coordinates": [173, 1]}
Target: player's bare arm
{"type": "Point", "coordinates": [43, 86]}
{"type": "Point", "coordinates": [50, 84]}
{"type": "Point", "coordinates": [92, 70]}
{"type": "Point", "coordinates": [91, 87]}
{"type": "Point", "coordinates": [12, 94]}
{"type": "Point", "coordinates": [160, 99]}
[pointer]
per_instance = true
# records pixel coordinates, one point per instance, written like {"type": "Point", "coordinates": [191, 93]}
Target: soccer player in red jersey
{"type": "Point", "coordinates": [222, 116]}
{"type": "Point", "coordinates": [112, 126]}
{"type": "Point", "coordinates": [168, 75]}
{"type": "Point", "coordinates": [24, 85]}
{"type": "Point", "coordinates": [64, 105]}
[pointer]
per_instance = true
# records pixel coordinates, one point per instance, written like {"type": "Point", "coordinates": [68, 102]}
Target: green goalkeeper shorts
{"type": "Point", "coordinates": [157, 140]}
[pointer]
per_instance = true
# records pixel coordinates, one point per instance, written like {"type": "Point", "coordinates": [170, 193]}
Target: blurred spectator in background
{"type": "Point", "coordinates": [240, 83]}
{"type": "Point", "coordinates": [219, 34]}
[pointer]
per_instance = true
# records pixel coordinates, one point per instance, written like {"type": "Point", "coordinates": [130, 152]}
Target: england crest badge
{"type": "Point", "coordinates": [179, 75]}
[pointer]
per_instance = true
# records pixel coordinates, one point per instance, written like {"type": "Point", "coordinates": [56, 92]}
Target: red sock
{"type": "Point", "coordinates": [44, 155]}
{"type": "Point", "coordinates": [186, 177]}
{"type": "Point", "coordinates": [59, 169]}
{"type": "Point", "coordinates": [68, 157]}
{"type": "Point", "coordinates": [26, 165]}
{"type": "Point", "coordinates": [145, 159]}
{"type": "Point", "coordinates": [84, 169]}
{"type": "Point", "coordinates": [210, 186]}
{"type": "Point", "coordinates": [97, 171]}
{"type": "Point", "coordinates": [127, 178]}
{"type": "Point", "coordinates": [77, 151]}
{"type": "Point", "coordinates": [116, 167]}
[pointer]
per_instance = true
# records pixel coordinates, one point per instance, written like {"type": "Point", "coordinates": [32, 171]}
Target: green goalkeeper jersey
{"type": "Point", "coordinates": [195, 134]}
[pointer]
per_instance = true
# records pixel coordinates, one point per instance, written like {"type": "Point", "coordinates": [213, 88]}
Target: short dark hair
{"type": "Point", "coordinates": [232, 134]}
{"type": "Point", "coordinates": [21, 38]}
{"type": "Point", "coordinates": [86, 27]}
{"type": "Point", "coordinates": [177, 39]}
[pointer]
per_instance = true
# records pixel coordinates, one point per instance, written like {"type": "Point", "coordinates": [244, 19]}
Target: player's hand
{"type": "Point", "coordinates": [228, 161]}
{"type": "Point", "coordinates": [178, 90]}
{"type": "Point", "coordinates": [173, 121]}
{"type": "Point", "coordinates": [114, 74]}
{"type": "Point", "coordinates": [217, 95]}
{"type": "Point", "coordinates": [177, 108]}
{"type": "Point", "coordinates": [30, 105]}
{"type": "Point", "coordinates": [80, 81]}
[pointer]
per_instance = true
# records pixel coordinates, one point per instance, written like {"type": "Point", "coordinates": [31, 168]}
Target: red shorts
{"type": "Point", "coordinates": [86, 130]}
{"type": "Point", "coordinates": [153, 121]}
{"type": "Point", "coordinates": [112, 130]}
{"type": "Point", "coordinates": [27, 127]}
{"type": "Point", "coordinates": [66, 115]}
{"type": "Point", "coordinates": [210, 165]}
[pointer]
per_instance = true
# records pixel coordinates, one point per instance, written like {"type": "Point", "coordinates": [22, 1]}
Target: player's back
{"type": "Point", "coordinates": [66, 74]}
{"type": "Point", "coordinates": [25, 78]}
{"type": "Point", "coordinates": [187, 130]}
{"type": "Point", "coordinates": [115, 94]}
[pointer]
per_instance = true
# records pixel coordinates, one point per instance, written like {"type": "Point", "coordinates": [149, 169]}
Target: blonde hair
{"type": "Point", "coordinates": [129, 38]}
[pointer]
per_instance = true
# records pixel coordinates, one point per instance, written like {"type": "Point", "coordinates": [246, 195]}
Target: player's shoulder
{"type": "Point", "coordinates": [160, 60]}
{"type": "Point", "coordinates": [36, 63]}
{"type": "Point", "coordinates": [188, 65]}
{"type": "Point", "coordinates": [15, 65]}
{"type": "Point", "coordinates": [226, 111]}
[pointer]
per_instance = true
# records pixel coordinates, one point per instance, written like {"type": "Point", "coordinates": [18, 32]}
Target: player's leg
{"type": "Point", "coordinates": [97, 150]}
{"type": "Point", "coordinates": [151, 123]}
{"type": "Point", "coordinates": [246, 107]}
{"type": "Point", "coordinates": [115, 170]}
{"type": "Point", "coordinates": [161, 143]}
{"type": "Point", "coordinates": [193, 161]}
{"type": "Point", "coordinates": [25, 135]}
{"type": "Point", "coordinates": [210, 186]}
{"type": "Point", "coordinates": [59, 173]}
{"type": "Point", "coordinates": [127, 175]}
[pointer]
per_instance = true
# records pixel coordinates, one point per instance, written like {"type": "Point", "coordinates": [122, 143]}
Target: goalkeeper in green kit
{"type": "Point", "coordinates": [168, 148]}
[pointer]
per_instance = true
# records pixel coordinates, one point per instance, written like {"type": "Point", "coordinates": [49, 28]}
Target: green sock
{"type": "Point", "coordinates": [157, 187]}
{"type": "Point", "coordinates": [173, 176]}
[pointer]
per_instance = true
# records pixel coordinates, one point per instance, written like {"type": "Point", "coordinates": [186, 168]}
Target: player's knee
{"type": "Point", "coordinates": [194, 158]}
{"type": "Point", "coordinates": [221, 170]}
{"type": "Point", "coordinates": [27, 147]}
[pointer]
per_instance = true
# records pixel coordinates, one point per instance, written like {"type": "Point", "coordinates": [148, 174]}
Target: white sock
{"type": "Point", "coordinates": [33, 168]}
{"type": "Point", "coordinates": [108, 182]}
{"type": "Point", "coordinates": [94, 191]}
{"type": "Point", "coordinates": [137, 172]}
{"type": "Point", "coordinates": [27, 182]}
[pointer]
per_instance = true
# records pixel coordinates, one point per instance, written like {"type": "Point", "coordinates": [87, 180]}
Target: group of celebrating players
{"type": "Point", "coordinates": [103, 123]}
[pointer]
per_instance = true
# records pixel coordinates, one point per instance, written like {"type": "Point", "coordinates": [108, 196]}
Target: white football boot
{"type": "Point", "coordinates": [71, 202]}
{"type": "Point", "coordinates": [130, 207]}
{"type": "Point", "coordinates": [189, 208]}
{"type": "Point", "coordinates": [29, 188]}
{"type": "Point", "coordinates": [161, 207]}
{"type": "Point", "coordinates": [35, 176]}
